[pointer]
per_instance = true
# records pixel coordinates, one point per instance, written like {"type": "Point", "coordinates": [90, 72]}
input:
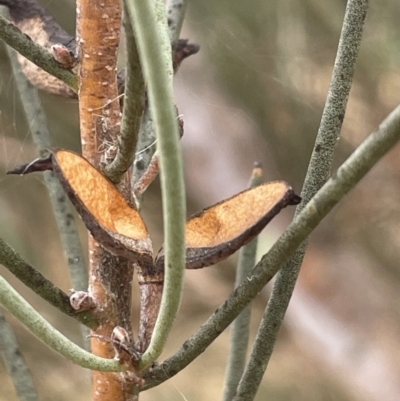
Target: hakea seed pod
{"type": "Point", "coordinates": [220, 230]}
{"type": "Point", "coordinates": [211, 235]}
{"type": "Point", "coordinates": [107, 215]}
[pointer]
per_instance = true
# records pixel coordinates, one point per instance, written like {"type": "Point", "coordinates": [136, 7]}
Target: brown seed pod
{"type": "Point", "coordinates": [107, 215]}
{"type": "Point", "coordinates": [220, 230]}
{"type": "Point", "coordinates": [211, 235]}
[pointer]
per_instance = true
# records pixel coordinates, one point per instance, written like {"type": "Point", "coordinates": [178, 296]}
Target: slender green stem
{"type": "Point", "coordinates": [35, 53]}
{"type": "Point", "coordinates": [240, 326]}
{"type": "Point", "coordinates": [61, 207]}
{"type": "Point", "coordinates": [62, 210]}
{"type": "Point", "coordinates": [335, 107]}
{"type": "Point", "coordinates": [40, 285]}
{"type": "Point", "coordinates": [146, 147]}
{"type": "Point", "coordinates": [348, 175]}
{"type": "Point", "coordinates": [176, 10]}
{"type": "Point", "coordinates": [16, 366]}
{"type": "Point", "coordinates": [318, 172]}
{"type": "Point", "coordinates": [134, 101]}
{"type": "Point", "coordinates": [150, 25]}
{"type": "Point", "coordinates": [21, 310]}
{"type": "Point", "coordinates": [146, 142]}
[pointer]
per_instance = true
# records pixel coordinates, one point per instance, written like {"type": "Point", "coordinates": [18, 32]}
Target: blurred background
{"type": "Point", "coordinates": [254, 92]}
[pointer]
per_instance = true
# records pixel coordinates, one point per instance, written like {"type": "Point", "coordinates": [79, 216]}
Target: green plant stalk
{"type": "Point", "coordinates": [62, 210]}
{"type": "Point", "coordinates": [35, 53]}
{"type": "Point", "coordinates": [16, 366]}
{"type": "Point", "coordinates": [150, 25]}
{"type": "Point", "coordinates": [318, 172]}
{"type": "Point", "coordinates": [347, 176]}
{"type": "Point", "coordinates": [134, 102]}
{"type": "Point", "coordinates": [240, 326]}
{"type": "Point", "coordinates": [146, 147]}
{"type": "Point", "coordinates": [176, 10]}
{"type": "Point", "coordinates": [146, 142]}
{"type": "Point", "coordinates": [41, 285]}
{"type": "Point", "coordinates": [23, 312]}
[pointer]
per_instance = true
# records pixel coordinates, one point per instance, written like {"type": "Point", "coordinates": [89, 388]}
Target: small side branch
{"type": "Point", "coordinates": [134, 101]}
{"type": "Point", "coordinates": [22, 311]}
{"type": "Point", "coordinates": [176, 10]}
{"type": "Point", "coordinates": [16, 366]}
{"type": "Point", "coordinates": [240, 327]}
{"type": "Point", "coordinates": [35, 53]}
{"type": "Point", "coordinates": [40, 285]}
{"type": "Point", "coordinates": [181, 49]}
{"type": "Point", "coordinates": [146, 147]}
{"type": "Point", "coordinates": [62, 210]}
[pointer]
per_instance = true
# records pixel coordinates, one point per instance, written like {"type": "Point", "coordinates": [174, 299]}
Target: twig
{"type": "Point", "coordinates": [150, 25]}
{"type": "Point", "coordinates": [146, 147]}
{"type": "Point", "coordinates": [176, 13]}
{"type": "Point", "coordinates": [24, 312]}
{"type": "Point", "coordinates": [176, 10]}
{"type": "Point", "coordinates": [142, 182]}
{"type": "Point", "coordinates": [318, 172]}
{"type": "Point", "coordinates": [35, 53]}
{"type": "Point", "coordinates": [16, 366]}
{"type": "Point", "coordinates": [147, 177]}
{"type": "Point", "coordinates": [134, 101]}
{"type": "Point", "coordinates": [62, 209]}
{"type": "Point", "coordinates": [347, 176]}
{"type": "Point", "coordinates": [240, 327]}
{"type": "Point", "coordinates": [40, 285]}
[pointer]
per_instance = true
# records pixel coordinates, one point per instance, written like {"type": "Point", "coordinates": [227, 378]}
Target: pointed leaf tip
{"type": "Point", "coordinates": [40, 164]}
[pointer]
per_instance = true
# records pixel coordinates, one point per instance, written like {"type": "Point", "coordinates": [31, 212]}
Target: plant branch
{"type": "Point", "coordinates": [147, 138]}
{"type": "Point", "coordinates": [62, 210]}
{"type": "Point", "coordinates": [318, 172]}
{"type": "Point", "coordinates": [16, 366]}
{"type": "Point", "coordinates": [61, 207]}
{"type": "Point", "coordinates": [35, 53]}
{"type": "Point", "coordinates": [347, 176]}
{"type": "Point", "coordinates": [40, 285]}
{"type": "Point", "coordinates": [149, 22]}
{"type": "Point", "coordinates": [98, 32]}
{"type": "Point", "coordinates": [146, 147]}
{"type": "Point", "coordinates": [98, 29]}
{"type": "Point", "coordinates": [24, 312]}
{"type": "Point", "coordinates": [240, 326]}
{"type": "Point", "coordinates": [335, 107]}
{"type": "Point", "coordinates": [134, 102]}
{"type": "Point", "coordinates": [176, 10]}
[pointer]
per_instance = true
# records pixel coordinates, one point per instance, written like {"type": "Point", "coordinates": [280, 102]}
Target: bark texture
{"type": "Point", "coordinates": [98, 31]}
